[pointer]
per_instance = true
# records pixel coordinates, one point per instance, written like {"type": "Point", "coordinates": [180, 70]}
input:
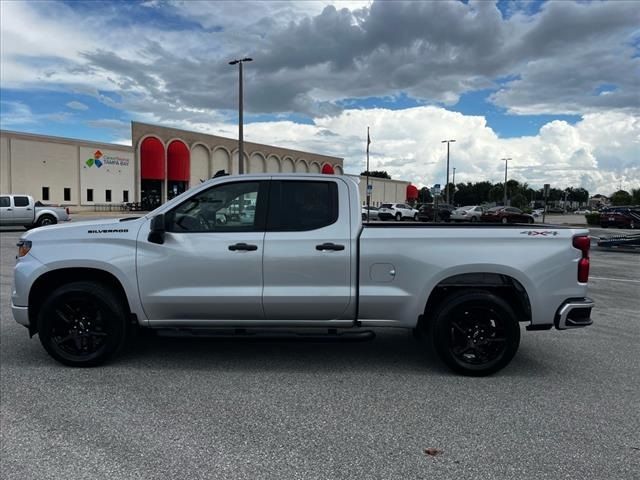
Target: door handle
{"type": "Point", "coordinates": [243, 246]}
{"type": "Point", "coordinates": [329, 246]}
{"type": "Point", "coordinates": [9, 209]}
{"type": "Point", "coordinates": [28, 208]}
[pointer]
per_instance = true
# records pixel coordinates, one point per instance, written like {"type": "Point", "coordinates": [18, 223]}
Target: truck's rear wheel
{"type": "Point", "coordinates": [46, 220]}
{"type": "Point", "coordinates": [82, 324]}
{"type": "Point", "coordinates": [475, 333]}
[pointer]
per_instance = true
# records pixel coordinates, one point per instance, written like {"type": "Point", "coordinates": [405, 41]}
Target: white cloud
{"type": "Point", "coordinates": [75, 105]}
{"type": "Point", "coordinates": [407, 144]}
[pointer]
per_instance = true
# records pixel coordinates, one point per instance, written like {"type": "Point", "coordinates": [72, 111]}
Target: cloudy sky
{"type": "Point", "coordinates": [553, 85]}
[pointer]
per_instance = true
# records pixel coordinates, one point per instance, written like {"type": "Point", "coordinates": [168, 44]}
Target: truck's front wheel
{"type": "Point", "coordinates": [82, 324]}
{"type": "Point", "coordinates": [475, 333]}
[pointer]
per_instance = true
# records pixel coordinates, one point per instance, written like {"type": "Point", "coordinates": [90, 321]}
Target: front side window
{"type": "Point", "coordinates": [232, 207]}
{"type": "Point", "coordinates": [4, 202]}
{"type": "Point", "coordinates": [21, 201]}
{"type": "Point", "coordinates": [298, 206]}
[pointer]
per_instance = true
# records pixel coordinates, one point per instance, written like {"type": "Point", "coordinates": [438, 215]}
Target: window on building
{"type": "Point", "coordinates": [89, 194]}
{"type": "Point", "coordinates": [107, 195]}
{"type": "Point", "coordinates": [125, 196]}
{"type": "Point", "coordinates": [67, 194]}
{"type": "Point", "coordinates": [45, 193]}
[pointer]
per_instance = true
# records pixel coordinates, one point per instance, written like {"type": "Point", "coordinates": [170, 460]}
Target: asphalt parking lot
{"type": "Point", "coordinates": [567, 406]}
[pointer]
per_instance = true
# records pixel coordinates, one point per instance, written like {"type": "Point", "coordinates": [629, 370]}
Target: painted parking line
{"type": "Point", "coordinates": [614, 279]}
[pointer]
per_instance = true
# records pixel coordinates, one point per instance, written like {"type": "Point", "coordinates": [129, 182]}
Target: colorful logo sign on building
{"type": "Point", "coordinates": [97, 155]}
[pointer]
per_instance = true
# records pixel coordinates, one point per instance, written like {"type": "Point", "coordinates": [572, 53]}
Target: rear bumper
{"type": "Point", "coordinates": [20, 314]}
{"type": "Point", "coordinates": [386, 216]}
{"type": "Point", "coordinates": [574, 313]}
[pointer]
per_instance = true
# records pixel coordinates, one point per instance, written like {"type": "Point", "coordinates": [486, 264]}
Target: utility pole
{"type": "Point", "coordinates": [453, 194]}
{"type": "Point", "coordinates": [239, 62]}
{"type": "Point", "coordinates": [447, 184]}
{"type": "Point", "coordinates": [506, 163]}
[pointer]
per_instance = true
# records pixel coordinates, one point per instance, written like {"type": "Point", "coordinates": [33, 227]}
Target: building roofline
{"type": "Point", "coordinates": [51, 138]}
{"type": "Point", "coordinates": [257, 146]}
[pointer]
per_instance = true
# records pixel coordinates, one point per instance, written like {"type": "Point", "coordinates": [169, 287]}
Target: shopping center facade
{"type": "Point", "coordinates": [161, 163]}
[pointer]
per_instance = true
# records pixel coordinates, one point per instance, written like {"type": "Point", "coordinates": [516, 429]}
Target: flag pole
{"type": "Point", "coordinates": [368, 193]}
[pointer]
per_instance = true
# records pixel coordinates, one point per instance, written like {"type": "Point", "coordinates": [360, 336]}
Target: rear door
{"type": "Point", "coordinates": [307, 251]}
{"type": "Point", "coordinates": [22, 210]}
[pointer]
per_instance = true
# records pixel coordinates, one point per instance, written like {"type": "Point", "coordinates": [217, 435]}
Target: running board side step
{"type": "Point", "coordinates": [330, 335]}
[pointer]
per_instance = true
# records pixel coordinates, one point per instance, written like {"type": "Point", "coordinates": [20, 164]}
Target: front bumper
{"type": "Point", "coordinates": [574, 313]}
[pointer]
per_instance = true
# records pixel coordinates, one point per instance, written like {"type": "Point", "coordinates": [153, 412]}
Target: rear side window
{"type": "Point", "coordinates": [386, 205]}
{"type": "Point", "coordinates": [21, 201]}
{"type": "Point", "coordinates": [4, 202]}
{"type": "Point", "coordinates": [298, 206]}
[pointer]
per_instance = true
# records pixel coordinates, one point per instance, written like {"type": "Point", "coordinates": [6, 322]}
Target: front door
{"type": "Point", "coordinates": [210, 264]}
{"type": "Point", "coordinates": [307, 252]}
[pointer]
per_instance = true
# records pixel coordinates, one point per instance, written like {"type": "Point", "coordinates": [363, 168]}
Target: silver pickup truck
{"type": "Point", "coordinates": [293, 257]}
{"type": "Point", "coordinates": [23, 211]}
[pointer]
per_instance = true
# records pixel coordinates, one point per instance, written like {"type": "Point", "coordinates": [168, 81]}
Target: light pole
{"type": "Point", "coordinates": [447, 184]}
{"type": "Point", "coordinates": [240, 126]}
{"type": "Point", "coordinates": [453, 194]}
{"type": "Point", "coordinates": [506, 162]}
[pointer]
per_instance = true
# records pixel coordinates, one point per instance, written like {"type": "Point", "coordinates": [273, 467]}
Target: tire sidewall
{"type": "Point", "coordinates": [110, 306]}
{"type": "Point", "coordinates": [439, 331]}
{"type": "Point", "coordinates": [42, 219]}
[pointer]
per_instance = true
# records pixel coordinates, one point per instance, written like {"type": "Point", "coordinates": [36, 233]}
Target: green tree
{"type": "Point", "coordinates": [621, 197]}
{"type": "Point", "coordinates": [519, 200]}
{"type": "Point", "coordinates": [635, 196]}
{"type": "Point", "coordinates": [377, 174]}
{"type": "Point", "coordinates": [424, 195]}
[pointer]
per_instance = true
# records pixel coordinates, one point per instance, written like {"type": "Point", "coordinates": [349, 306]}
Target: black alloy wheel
{"type": "Point", "coordinates": [46, 220]}
{"type": "Point", "coordinates": [475, 333]}
{"type": "Point", "coordinates": [82, 324]}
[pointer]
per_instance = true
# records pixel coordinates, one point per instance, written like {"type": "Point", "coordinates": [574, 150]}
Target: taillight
{"type": "Point", "coordinates": [583, 243]}
{"type": "Point", "coordinates": [67, 210]}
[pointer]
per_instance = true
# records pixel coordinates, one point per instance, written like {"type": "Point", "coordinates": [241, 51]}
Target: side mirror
{"type": "Point", "coordinates": [157, 229]}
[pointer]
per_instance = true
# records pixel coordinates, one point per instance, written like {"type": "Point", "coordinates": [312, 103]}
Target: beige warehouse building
{"type": "Point", "coordinates": [161, 163]}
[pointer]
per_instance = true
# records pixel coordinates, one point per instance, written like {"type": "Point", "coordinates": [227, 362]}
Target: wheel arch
{"type": "Point", "coordinates": [48, 281]}
{"type": "Point", "coordinates": [502, 285]}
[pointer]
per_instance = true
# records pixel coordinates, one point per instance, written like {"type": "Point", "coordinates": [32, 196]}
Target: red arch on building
{"type": "Point", "coordinates": [152, 159]}
{"type": "Point", "coordinates": [412, 192]}
{"type": "Point", "coordinates": [178, 161]}
{"type": "Point", "coordinates": [327, 169]}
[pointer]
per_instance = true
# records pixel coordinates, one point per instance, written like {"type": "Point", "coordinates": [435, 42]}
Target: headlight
{"type": "Point", "coordinates": [23, 247]}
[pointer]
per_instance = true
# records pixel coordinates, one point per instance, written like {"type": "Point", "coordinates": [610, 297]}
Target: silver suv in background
{"type": "Point", "coordinates": [397, 211]}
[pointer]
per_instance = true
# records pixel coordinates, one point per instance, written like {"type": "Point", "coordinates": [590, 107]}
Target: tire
{"type": "Point", "coordinates": [364, 216]}
{"type": "Point", "coordinates": [530, 220]}
{"type": "Point", "coordinates": [46, 220]}
{"type": "Point", "coordinates": [415, 218]}
{"type": "Point", "coordinates": [488, 322]}
{"type": "Point", "coordinates": [65, 324]}
{"type": "Point", "coordinates": [398, 217]}
{"type": "Point", "coordinates": [504, 220]}
{"type": "Point", "coordinates": [474, 219]}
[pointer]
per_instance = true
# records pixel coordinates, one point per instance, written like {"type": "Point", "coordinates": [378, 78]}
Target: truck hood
{"type": "Point", "coordinates": [112, 228]}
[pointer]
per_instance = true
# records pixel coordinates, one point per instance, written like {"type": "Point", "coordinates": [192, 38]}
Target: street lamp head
{"type": "Point", "coordinates": [247, 59]}
{"type": "Point", "coordinates": [233, 62]}
{"type": "Point", "coordinates": [447, 141]}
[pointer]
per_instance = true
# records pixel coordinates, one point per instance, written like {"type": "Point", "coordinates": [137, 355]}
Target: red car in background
{"type": "Point", "coordinates": [621, 217]}
{"type": "Point", "coordinates": [506, 215]}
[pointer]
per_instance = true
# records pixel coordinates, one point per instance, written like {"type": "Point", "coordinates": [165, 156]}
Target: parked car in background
{"type": "Point", "coordinates": [582, 211]}
{"type": "Point", "coordinates": [22, 210]}
{"type": "Point", "coordinates": [397, 211]}
{"type": "Point", "coordinates": [555, 210]}
{"type": "Point", "coordinates": [372, 213]}
{"type": "Point", "coordinates": [428, 212]}
{"type": "Point", "coordinates": [506, 215]}
{"type": "Point", "coordinates": [470, 213]}
{"type": "Point", "coordinates": [537, 212]}
{"type": "Point", "coordinates": [621, 217]}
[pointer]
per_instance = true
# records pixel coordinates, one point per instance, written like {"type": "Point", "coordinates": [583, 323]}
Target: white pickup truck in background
{"type": "Point", "coordinates": [22, 210]}
{"type": "Point", "coordinates": [293, 255]}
